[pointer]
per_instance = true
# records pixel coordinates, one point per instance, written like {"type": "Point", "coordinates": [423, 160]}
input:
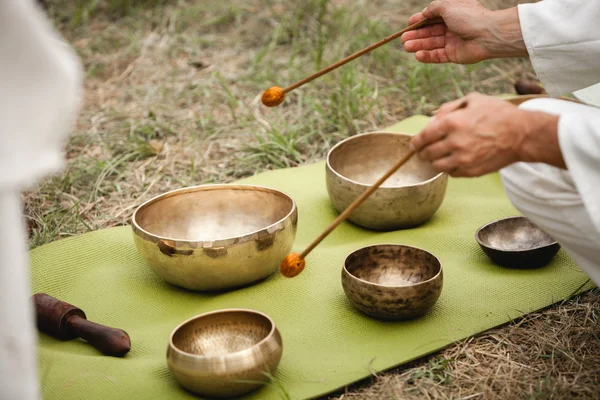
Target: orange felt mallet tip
{"type": "Point", "coordinates": [273, 96]}
{"type": "Point", "coordinates": [292, 265]}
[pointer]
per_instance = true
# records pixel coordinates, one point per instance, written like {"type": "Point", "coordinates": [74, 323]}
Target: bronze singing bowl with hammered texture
{"type": "Point", "coordinates": [224, 353]}
{"type": "Point", "coordinates": [516, 242]}
{"type": "Point", "coordinates": [215, 237]}
{"type": "Point", "coordinates": [393, 282]}
{"type": "Point", "coordinates": [408, 198]}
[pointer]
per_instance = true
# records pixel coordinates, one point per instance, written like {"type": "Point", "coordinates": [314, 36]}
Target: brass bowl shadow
{"type": "Point", "coordinates": [391, 281]}
{"type": "Point", "coordinates": [224, 353]}
{"type": "Point", "coordinates": [215, 237]}
{"type": "Point", "coordinates": [516, 242]}
{"type": "Point", "coordinates": [408, 198]}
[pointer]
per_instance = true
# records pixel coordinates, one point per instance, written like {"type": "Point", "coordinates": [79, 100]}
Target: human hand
{"type": "Point", "coordinates": [486, 135]}
{"type": "Point", "coordinates": [470, 33]}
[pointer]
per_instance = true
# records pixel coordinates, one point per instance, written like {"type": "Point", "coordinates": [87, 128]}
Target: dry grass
{"type": "Point", "coordinates": [172, 99]}
{"type": "Point", "coordinates": [551, 354]}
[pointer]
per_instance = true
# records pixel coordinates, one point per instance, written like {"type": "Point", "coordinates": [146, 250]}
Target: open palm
{"type": "Point", "coordinates": [457, 40]}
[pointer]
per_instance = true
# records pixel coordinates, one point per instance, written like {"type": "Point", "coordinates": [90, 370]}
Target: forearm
{"type": "Point", "coordinates": [539, 142]}
{"type": "Point", "coordinates": [504, 37]}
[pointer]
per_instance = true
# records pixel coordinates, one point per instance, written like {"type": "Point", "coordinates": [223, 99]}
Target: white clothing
{"type": "Point", "coordinates": [40, 90]}
{"type": "Point", "coordinates": [589, 95]}
{"type": "Point", "coordinates": [549, 197]}
{"type": "Point", "coordinates": [563, 42]}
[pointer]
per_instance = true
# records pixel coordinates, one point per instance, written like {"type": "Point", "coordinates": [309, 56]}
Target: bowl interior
{"type": "Point", "coordinates": [392, 265]}
{"type": "Point", "coordinates": [213, 213]}
{"type": "Point", "coordinates": [222, 333]}
{"type": "Point", "coordinates": [365, 158]}
{"type": "Point", "coordinates": [513, 234]}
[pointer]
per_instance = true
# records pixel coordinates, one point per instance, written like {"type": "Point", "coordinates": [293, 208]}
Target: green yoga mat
{"type": "Point", "coordinates": [327, 344]}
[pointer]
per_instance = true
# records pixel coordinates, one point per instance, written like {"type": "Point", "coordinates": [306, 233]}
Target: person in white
{"type": "Point", "coordinates": [547, 150]}
{"type": "Point", "coordinates": [40, 91]}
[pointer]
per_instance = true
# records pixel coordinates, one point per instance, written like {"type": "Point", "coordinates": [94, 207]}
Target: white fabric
{"type": "Point", "coordinates": [589, 95]}
{"type": "Point", "coordinates": [563, 42]}
{"type": "Point", "coordinates": [549, 197]}
{"type": "Point", "coordinates": [40, 90]}
{"type": "Point", "coordinates": [18, 378]}
{"type": "Point", "coordinates": [40, 84]}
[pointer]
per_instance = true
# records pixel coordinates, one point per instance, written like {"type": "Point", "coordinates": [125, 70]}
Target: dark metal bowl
{"type": "Point", "coordinates": [516, 242]}
{"type": "Point", "coordinates": [391, 281]}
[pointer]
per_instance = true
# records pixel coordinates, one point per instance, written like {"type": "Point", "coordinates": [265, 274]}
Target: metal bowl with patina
{"type": "Point", "coordinates": [224, 353]}
{"type": "Point", "coordinates": [215, 237]}
{"type": "Point", "coordinates": [406, 199]}
{"type": "Point", "coordinates": [392, 281]}
{"type": "Point", "coordinates": [516, 242]}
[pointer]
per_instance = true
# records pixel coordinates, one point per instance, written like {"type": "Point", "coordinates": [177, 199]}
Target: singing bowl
{"type": "Point", "coordinates": [391, 281]}
{"type": "Point", "coordinates": [516, 242]}
{"type": "Point", "coordinates": [215, 237]}
{"type": "Point", "coordinates": [224, 353]}
{"type": "Point", "coordinates": [406, 199]}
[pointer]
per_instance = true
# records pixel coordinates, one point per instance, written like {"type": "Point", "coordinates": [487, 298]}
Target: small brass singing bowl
{"type": "Point", "coordinates": [516, 242]}
{"type": "Point", "coordinates": [215, 237]}
{"type": "Point", "coordinates": [392, 282]}
{"type": "Point", "coordinates": [224, 353]}
{"type": "Point", "coordinates": [408, 198]}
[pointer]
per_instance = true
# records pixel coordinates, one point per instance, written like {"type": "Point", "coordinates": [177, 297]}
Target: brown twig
{"type": "Point", "coordinates": [373, 46]}
{"type": "Point", "coordinates": [361, 198]}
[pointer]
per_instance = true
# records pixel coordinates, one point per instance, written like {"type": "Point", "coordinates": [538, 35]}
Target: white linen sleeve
{"type": "Point", "coordinates": [579, 140]}
{"type": "Point", "coordinates": [563, 42]}
{"type": "Point", "coordinates": [40, 90]}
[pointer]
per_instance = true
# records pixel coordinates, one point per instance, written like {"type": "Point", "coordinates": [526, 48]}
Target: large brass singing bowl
{"type": "Point", "coordinates": [215, 237]}
{"type": "Point", "coordinates": [224, 353]}
{"type": "Point", "coordinates": [392, 282]}
{"type": "Point", "coordinates": [408, 198]}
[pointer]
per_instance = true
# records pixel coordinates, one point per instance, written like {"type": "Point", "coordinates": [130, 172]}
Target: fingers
{"type": "Point", "coordinates": [435, 151]}
{"type": "Point", "coordinates": [415, 18]}
{"type": "Point", "coordinates": [447, 164]}
{"type": "Point", "coordinates": [424, 32]}
{"type": "Point", "coordinates": [428, 38]}
{"type": "Point", "coordinates": [432, 43]}
{"type": "Point", "coordinates": [437, 56]}
{"type": "Point", "coordinates": [436, 8]}
{"type": "Point", "coordinates": [452, 106]}
{"type": "Point", "coordinates": [433, 132]}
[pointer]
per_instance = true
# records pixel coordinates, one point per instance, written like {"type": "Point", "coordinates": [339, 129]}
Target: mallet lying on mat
{"type": "Point", "coordinates": [275, 95]}
{"type": "Point", "coordinates": [294, 263]}
{"type": "Point", "coordinates": [65, 321]}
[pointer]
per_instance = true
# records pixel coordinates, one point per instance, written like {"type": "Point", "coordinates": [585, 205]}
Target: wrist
{"type": "Point", "coordinates": [504, 37]}
{"type": "Point", "coordinates": [539, 141]}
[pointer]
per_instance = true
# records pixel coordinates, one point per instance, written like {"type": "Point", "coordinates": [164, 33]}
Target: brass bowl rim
{"type": "Point", "coordinates": [233, 354]}
{"type": "Point", "coordinates": [227, 241]}
{"type": "Point", "coordinates": [330, 152]}
{"type": "Point", "coordinates": [481, 243]}
{"type": "Point", "coordinates": [436, 276]}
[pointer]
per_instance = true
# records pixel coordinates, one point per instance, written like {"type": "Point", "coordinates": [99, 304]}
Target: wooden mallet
{"type": "Point", "coordinates": [275, 95]}
{"type": "Point", "coordinates": [66, 322]}
{"type": "Point", "coordinates": [294, 263]}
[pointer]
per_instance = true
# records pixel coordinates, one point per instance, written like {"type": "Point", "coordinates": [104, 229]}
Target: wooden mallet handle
{"type": "Point", "coordinates": [110, 341]}
{"type": "Point", "coordinates": [362, 197]}
{"type": "Point", "coordinates": [355, 204]}
{"type": "Point", "coordinates": [373, 46]}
